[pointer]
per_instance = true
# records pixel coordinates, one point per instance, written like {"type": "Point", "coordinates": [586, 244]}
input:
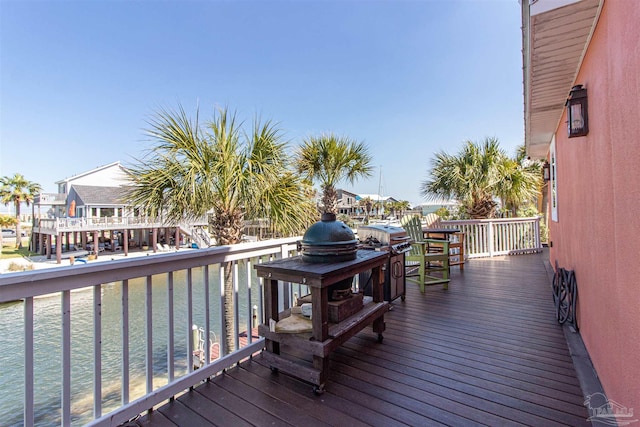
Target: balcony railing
{"type": "Point", "coordinates": [194, 277]}
{"type": "Point", "coordinates": [154, 330]}
{"type": "Point", "coordinates": [491, 237]}
{"type": "Point", "coordinates": [56, 225]}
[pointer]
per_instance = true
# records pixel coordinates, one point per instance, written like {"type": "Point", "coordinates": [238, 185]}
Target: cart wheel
{"type": "Point", "coordinates": [318, 390]}
{"type": "Point", "coordinates": [274, 370]}
{"type": "Point", "coordinates": [380, 338]}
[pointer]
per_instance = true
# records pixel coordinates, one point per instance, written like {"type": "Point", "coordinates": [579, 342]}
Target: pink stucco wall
{"type": "Point", "coordinates": [598, 232]}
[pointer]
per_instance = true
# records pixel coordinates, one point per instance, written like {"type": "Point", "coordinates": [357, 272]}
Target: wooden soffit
{"type": "Point", "coordinates": [556, 34]}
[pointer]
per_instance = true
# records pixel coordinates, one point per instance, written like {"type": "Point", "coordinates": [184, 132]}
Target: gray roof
{"type": "Point", "coordinates": [95, 195]}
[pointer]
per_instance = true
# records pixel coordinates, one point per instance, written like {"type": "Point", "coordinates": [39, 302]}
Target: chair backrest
{"type": "Point", "coordinates": [432, 220]}
{"type": "Point", "coordinates": [413, 226]}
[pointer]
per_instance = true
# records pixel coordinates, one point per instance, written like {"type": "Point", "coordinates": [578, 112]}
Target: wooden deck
{"type": "Point", "coordinates": [486, 352]}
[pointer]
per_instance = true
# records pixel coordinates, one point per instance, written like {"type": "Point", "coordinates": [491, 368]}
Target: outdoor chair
{"type": "Point", "coordinates": [456, 241]}
{"type": "Point", "coordinates": [430, 266]}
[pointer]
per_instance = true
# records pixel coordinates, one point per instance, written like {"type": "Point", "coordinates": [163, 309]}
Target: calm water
{"type": "Point", "coordinates": [48, 336]}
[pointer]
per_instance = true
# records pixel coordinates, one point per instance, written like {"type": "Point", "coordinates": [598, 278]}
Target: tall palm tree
{"type": "Point", "coordinates": [471, 177]}
{"type": "Point", "coordinates": [330, 160]}
{"type": "Point", "coordinates": [192, 171]}
{"type": "Point", "coordinates": [18, 190]}
{"type": "Point", "coordinates": [521, 181]}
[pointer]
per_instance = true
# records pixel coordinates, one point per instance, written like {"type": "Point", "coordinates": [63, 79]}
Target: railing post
{"type": "Point", "coordinates": [66, 358]}
{"type": "Point", "coordinates": [490, 238]}
{"type": "Point", "coordinates": [97, 351]}
{"type": "Point", "coordinates": [28, 362]}
{"type": "Point", "coordinates": [149, 334]}
{"type": "Point", "coordinates": [286, 286]}
{"type": "Point", "coordinates": [207, 320]}
{"type": "Point", "coordinates": [125, 341]}
{"type": "Point", "coordinates": [191, 344]}
{"type": "Point", "coordinates": [223, 323]}
{"type": "Point", "coordinates": [170, 327]}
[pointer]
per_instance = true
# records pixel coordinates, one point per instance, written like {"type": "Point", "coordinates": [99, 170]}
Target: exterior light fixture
{"type": "Point", "coordinates": [546, 171]}
{"type": "Point", "coordinates": [578, 120]}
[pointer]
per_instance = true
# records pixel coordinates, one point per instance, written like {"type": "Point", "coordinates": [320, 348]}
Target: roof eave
{"type": "Point", "coordinates": [555, 36]}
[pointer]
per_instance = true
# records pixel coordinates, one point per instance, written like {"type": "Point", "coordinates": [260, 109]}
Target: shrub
{"type": "Point", "coordinates": [14, 266]}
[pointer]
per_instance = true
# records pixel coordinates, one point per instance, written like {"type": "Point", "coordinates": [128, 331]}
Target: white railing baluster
{"type": "Point", "coordinates": [491, 239]}
{"type": "Point", "coordinates": [28, 362]}
{"type": "Point", "coordinates": [260, 296]}
{"type": "Point", "coordinates": [170, 330]}
{"type": "Point", "coordinates": [207, 318]}
{"type": "Point", "coordinates": [97, 351]}
{"type": "Point", "coordinates": [125, 341]}
{"type": "Point", "coordinates": [236, 309]}
{"type": "Point", "coordinates": [148, 304]}
{"type": "Point", "coordinates": [249, 304]}
{"type": "Point", "coordinates": [223, 328]}
{"type": "Point", "coordinates": [66, 358]}
{"type": "Point", "coordinates": [190, 339]}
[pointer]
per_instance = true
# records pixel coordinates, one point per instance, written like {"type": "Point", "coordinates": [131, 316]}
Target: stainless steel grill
{"type": "Point", "coordinates": [385, 234]}
{"type": "Point", "coordinates": [395, 241]}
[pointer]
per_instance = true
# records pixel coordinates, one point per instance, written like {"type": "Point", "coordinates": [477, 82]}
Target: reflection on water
{"type": "Point", "coordinates": [48, 344]}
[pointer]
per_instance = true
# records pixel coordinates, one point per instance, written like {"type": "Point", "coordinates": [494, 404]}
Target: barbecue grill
{"type": "Point", "coordinates": [395, 241]}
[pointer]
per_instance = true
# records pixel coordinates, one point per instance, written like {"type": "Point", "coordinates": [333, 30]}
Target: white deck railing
{"type": "Point", "coordinates": [482, 238]}
{"type": "Point", "coordinates": [63, 281]}
{"type": "Point", "coordinates": [56, 225]}
{"type": "Point", "coordinates": [491, 237]}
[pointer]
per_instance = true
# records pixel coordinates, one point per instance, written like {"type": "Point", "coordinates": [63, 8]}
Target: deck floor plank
{"type": "Point", "coordinates": [305, 402]}
{"type": "Point", "coordinates": [237, 404]}
{"type": "Point", "coordinates": [182, 415]}
{"type": "Point", "coordinates": [487, 351]}
{"type": "Point", "coordinates": [327, 400]}
{"type": "Point", "coordinates": [212, 410]}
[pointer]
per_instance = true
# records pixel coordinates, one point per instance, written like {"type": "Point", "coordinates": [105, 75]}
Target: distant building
{"type": "Point", "coordinates": [90, 213]}
{"type": "Point", "coordinates": [432, 207]}
{"type": "Point", "coordinates": [94, 194]}
{"type": "Point", "coordinates": [348, 203]}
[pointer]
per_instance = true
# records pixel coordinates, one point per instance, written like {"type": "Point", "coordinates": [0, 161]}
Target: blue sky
{"type": "Point", "coordinates": [79, 80]}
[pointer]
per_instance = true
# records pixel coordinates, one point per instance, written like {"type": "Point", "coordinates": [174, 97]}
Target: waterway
{"type": "Point", "coordinates": [48, 344]}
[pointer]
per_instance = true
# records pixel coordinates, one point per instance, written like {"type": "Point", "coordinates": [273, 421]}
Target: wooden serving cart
{"type": "Point", "coordinates": [325, 336]}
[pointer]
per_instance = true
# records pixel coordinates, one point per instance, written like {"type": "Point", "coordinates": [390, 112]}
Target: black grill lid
{"type": "Point", "coordinates": [328, 240]}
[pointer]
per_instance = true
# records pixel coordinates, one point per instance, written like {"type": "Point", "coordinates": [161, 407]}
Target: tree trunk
{"type": "Point", "coordinates": [229, 308]}
{"type": "Point", "coordinates": [330, 199]}
{"type": "Point", "coordinates": [18, 231]}
{"type": "Point", "coordinates": [227, 228]}
{"type": "Point", "coordinates": [482, 209]}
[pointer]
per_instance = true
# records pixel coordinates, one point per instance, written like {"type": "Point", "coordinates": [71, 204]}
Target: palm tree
{"type": "Point", "coordinates": [521, 181]}
{"type": "Point", "coordinates": [330, 159]}
{"type": "Point", "coordinates": [480, 173]}
{"type": "Point", "coordinates": [401, 206]}
{"type": "Point", "coordinates": [366, 203]}
{"type": "Point", "coordinates": [18, 190]}
{"type": "Point", "coordinates": [471, 177]}
{"type": "Point", "coordinates": [191, 172]}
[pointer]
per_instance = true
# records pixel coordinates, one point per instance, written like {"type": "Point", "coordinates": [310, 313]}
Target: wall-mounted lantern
{"type": "Point", "coordinates": [546, 171]}
{"type": "Point", "coordinates": [578, 120]}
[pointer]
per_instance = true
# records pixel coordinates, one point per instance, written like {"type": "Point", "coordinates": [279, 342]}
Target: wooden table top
{"type": "Point", "coordinates": [320, 274]}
